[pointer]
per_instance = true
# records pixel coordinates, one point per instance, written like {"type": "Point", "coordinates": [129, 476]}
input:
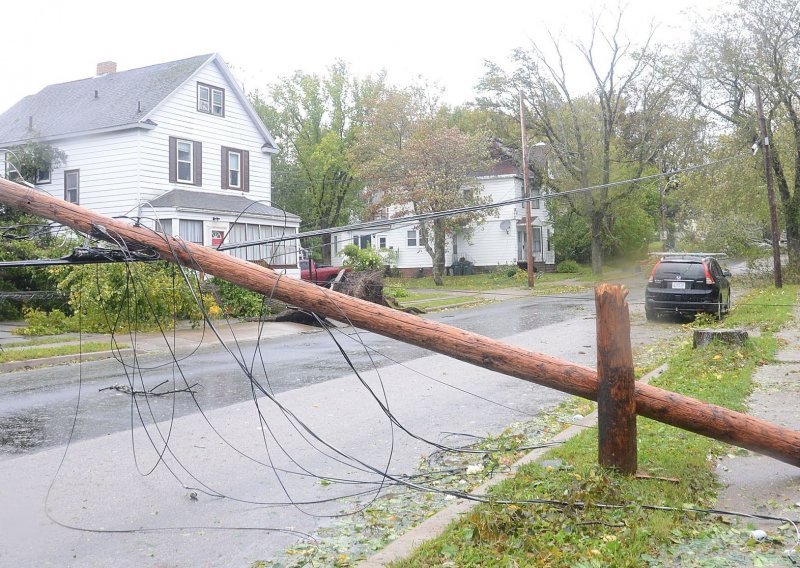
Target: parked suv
{"type": "Point", "coordinates": [687, 285]}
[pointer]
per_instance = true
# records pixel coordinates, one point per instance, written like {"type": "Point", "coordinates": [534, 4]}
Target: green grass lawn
{"type": "Point", "coordinates": [578, 532]}
{"type": "Point", "coordinates": [27, 353]}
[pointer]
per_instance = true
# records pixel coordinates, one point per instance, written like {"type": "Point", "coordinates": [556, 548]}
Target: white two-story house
{"type": "Point", "coordinates": [498, 241]}
{"type": "Point", "coordinates": [176, 146]}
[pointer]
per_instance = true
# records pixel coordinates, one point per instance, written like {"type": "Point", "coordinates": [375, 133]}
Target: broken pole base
{"type": "Point", "coordinates": [616, 391]}
{"type": "Point", "coordinates": [703, 337]}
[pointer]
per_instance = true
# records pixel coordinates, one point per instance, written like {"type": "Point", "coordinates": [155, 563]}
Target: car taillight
{"type": "Point", "coordinates": [709, 278]}
{"type": "Point", "coordinates": [653, 273]}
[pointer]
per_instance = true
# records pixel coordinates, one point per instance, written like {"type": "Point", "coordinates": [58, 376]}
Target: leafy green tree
{"type": "Point", "coordinates": [744, 45]}
{"type": "Point", "coordinates": [423, 165]}
{"type": "Point", "coordinates": [315, 120]}
{"type": "Point", "coordinates": [25, 236]}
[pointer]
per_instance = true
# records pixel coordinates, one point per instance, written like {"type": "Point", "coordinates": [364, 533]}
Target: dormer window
{"type": "Point", "coordinates": [210, 99]}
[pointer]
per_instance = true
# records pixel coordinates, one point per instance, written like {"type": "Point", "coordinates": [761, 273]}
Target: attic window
{"type": "Point", "coordinates": [210, 99]}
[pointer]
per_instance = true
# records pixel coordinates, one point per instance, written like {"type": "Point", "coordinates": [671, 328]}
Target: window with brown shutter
{"type": "Point", "coordinates": [235, 170]}
{"type": "Point", "coordinates": [185, 161]}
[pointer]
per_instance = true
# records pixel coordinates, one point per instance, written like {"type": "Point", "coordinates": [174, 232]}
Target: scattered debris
{"type": "Point", "coordinates": [128, 390]}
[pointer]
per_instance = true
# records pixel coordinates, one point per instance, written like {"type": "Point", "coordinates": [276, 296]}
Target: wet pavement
{"type": "Point", "coordinates": [42, 407]}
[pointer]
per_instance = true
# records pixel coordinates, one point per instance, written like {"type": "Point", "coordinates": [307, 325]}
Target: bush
{"type": "Point", "coordinates": [396, 292]}
{"type": "Point", "coordinates": [568, 267]}
{"type": "Point", "coordinates": [141, 296]}
{"type": "Point", "coordinates": [44, 323]}
{"type": "Point", "coordinates": [239, 302]}
{"type": "Point", "coordinates": [362, 260]}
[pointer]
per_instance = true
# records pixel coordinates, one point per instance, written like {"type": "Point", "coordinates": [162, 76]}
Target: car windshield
{"type": "Point", "coordinates": [682, 270]}
{"type": "Point", "coordinates": [304, 264]}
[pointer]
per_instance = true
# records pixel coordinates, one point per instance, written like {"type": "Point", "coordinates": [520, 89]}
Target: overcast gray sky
{"type": "Point", "coordinates": [47, 42]}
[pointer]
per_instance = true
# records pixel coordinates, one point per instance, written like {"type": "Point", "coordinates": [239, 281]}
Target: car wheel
{"type": "Point", "coordinates": [651, 315]}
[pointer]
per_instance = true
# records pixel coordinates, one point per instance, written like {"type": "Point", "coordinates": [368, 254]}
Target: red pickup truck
{"type": "Point", "coordinates": [322, 275]}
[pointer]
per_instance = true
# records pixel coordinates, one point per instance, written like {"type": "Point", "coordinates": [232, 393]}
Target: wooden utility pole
{"type": "Point", "coordinates": [773, 213]}
{"type": "Point", "coordinates": [616, 389]}
{"type": "Point", "coordinates": [667, 407]}
{"type": "Point", "coordinates": [527, 190]}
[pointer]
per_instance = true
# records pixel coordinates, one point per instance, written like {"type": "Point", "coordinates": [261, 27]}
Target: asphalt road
{"type": "Point", "coordinates": [38, 407]}
{"type": "Point", "coordinates": [228, 486]}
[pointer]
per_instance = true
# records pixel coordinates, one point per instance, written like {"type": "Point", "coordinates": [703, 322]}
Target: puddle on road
{"type": "Point", "coordinates": [22, 432]}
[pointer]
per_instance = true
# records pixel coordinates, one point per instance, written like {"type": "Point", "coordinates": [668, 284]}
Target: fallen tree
{"type": "Point", "coordinates": [671, 408]}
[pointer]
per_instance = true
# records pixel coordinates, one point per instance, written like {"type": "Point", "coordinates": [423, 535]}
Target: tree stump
{"type": "Point", "coordinates": [703, 337]}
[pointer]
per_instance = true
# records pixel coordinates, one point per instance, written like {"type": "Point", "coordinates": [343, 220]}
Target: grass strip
{"type": "Point", "coordinates": [25, 354]}
{"type": "Point", "coordinates": [681, 465]}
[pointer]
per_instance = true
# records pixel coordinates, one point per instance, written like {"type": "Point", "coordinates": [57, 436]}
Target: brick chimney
{"type": "Point", "coordinates": [106, 67]}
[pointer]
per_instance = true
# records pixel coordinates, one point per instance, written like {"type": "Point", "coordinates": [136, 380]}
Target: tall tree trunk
{"type": "Point", "coordinates": [791, 217]}
{"type": "Point", "coordinates": [597, 242]}
{"type": "Point", "coordinates": [438, 252]}
{"type": "Point", "coordinates": [327, 253]}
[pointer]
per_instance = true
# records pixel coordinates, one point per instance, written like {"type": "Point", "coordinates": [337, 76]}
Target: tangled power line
{"type": "Point", "coordinates": [294, 460]}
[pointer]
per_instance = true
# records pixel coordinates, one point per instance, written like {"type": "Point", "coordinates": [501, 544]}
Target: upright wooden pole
{"type": "Point", "coordinates": [616, 387]}
{"type": "Point", "coordinates": [527, 189]}
{"type": "Point", "coordinates": [668, 407]}
{"type": "Point", "coordinates": [773, 213]}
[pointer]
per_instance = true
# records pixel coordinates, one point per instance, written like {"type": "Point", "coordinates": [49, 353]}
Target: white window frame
{"type": "Point", "coordinates": [68, 190]}
{"type": "Point", "coordinates": [203, 98]}
{"type": "Point", "coordinates": [214, 103]}
{"type": "Point", "coordinates": [178, 161]}
{"type": "Point", "coordinates": [231, 169]}
{"type": "Point", "coordinates": [210, 99]}
{"type": "Point", "coordinates": [40, 179]}
{"type": "Point", "coordinates": [412, 241]}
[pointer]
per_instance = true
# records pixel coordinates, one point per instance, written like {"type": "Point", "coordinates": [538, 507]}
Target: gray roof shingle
{"type": "Point", "coordinates": [217, 203]}
{"type": "Point", "coordinates": [123, 98]}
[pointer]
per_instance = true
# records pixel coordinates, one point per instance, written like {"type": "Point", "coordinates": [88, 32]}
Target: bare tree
{"type": "Point", "coordinates": [584, 130]}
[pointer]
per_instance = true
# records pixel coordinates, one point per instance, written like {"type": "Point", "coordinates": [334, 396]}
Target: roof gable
{"type": "Point", "coordinates": [99, 103]}
{"type": "Point", "coordinates": [113, 101]}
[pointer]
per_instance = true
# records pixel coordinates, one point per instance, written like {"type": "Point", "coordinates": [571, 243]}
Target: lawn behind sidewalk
{"type": "Point", "coordinates": [679, 465]}
{"type": "Point", "coordinates": [498, 285]}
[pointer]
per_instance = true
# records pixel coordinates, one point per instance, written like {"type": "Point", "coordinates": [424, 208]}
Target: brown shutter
{"type": "Point", "coordinates": [173, 159]}
{"type": "Point", "coordinates": [226, 178]}
{"type": "Point", "coordinates": [197, 158]}
{"type": "Point", "coordinates": [245, 165]}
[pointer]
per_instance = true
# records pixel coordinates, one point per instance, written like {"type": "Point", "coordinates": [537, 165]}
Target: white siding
{"type": "Point", "coordinates": [178, 116]}
{"type": "Point", "coordinates": [108, 166]}
{"type": "Point", "coordinates": [492, 243]}
{"type": "Point", "coordinates": [119, 171]}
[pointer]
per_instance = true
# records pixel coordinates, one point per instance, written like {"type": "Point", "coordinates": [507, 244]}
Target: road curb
{"type": "Point", "coordinates": [432, 527]}
{"type": "Point", "coordinates": [61, 360]}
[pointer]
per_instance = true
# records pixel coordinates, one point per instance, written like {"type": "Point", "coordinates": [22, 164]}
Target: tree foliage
{"type": "Point", "coordinates": [418, 163]}
{"type": "Point", "coordinates": [25, 236]}
{"type": "Point", "coordinates": [315, 120]}
{"type": "Point", "coordinates": [747, 45]}
{"type": "Point", "coordinates": [617, 131]}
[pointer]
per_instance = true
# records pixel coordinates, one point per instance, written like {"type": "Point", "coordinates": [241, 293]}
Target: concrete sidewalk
{"type": "Point", "coordinates": [756, 483]}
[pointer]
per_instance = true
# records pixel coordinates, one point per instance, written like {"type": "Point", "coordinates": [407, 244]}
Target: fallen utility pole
{"type": "Point", "coordinates": [667, 407]}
